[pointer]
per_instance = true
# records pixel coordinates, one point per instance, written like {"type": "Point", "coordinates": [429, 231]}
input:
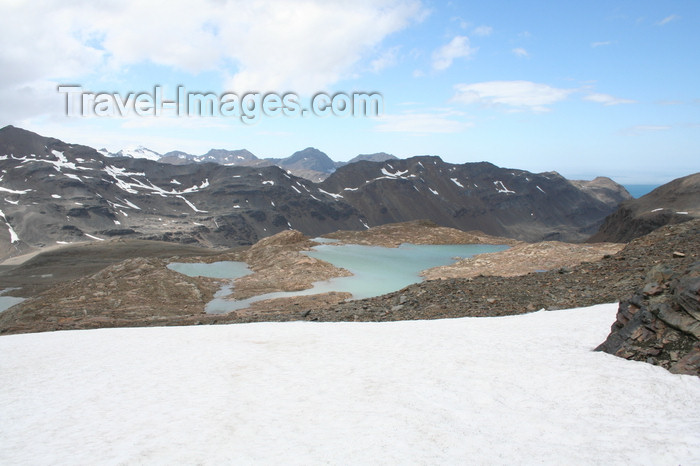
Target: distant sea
{"type": "Point", "coordinates": [639, 190]}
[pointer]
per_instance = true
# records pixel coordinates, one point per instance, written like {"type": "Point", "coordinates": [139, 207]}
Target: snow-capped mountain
{"type": "Point", "coordinates": [51, 191]}
{"type": "Point", "coordinates": [135, 152]}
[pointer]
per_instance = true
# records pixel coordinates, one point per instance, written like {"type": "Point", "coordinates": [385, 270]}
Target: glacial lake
{"type": "Point", "coordinates": [376, 270]}
{"type": "Point", "coordinates": [7, 302]}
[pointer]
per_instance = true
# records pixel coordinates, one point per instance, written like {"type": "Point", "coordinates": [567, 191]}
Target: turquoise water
{"type": "Point", "coordinates": [7, 302]}
{"type": "Point", "coordinates": [376, 270]}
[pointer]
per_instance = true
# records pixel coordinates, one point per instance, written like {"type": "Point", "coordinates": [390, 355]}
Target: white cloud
{"type": "Point", "coordinates": [462, 23]}
{"type": "Point", "coordinates": [607, 99]}
{"type": "Point", "coordinates": [600, 44]}
{"type": "Point", "coordinates": [300, 45]}
{"type": "Point", "coordinates": [385, 60]}
{"type": "Point", "coordinates": [667, 20]}
{"type": "Point", "coordinates": [25, 100]}
{"type": "Point", "coordinates": [641, 129]}
{"type": "Point", "coordinates": [520, 52]}
{"type": "Point", "coordinates": [670, 102]}
{"type": "Point", "coordinates": [458, 47]}
{"type": "Point", "coordinates": [514, 95]}
{"type": "Point", "coordinates": [279, 50]}
{"type": "Point", "coordinates": [483, 31]}
{"type": "Point", "coordinates": [439, 121]}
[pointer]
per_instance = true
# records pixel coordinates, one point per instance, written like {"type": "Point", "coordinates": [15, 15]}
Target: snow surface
{"type": "Point", "coordinates": [397, 174]}
{"type": "Point", "coordinates": [506, 390]}
{"type": "Point", "coordinates": [501, 188]}
{"type": "Point", "coordinates": [137, 152]}
{"type": "Point", "coordinates": [14, 238]}
{"type": "Point", "coordinates": [192, 206]}
{"type": "Point", "coordinates": [14, 191]}
{"type": "Point", "coordinates": [333, 195]}
{"type": "Point", "coordinates": [456, 181]}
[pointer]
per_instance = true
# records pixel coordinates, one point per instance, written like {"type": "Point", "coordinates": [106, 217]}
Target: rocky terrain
{"type": "Point", "coordinates": [674, 202]}
{"type": "Point", "coordinates": [31, 274]}
{"type": "Point", "coordinates": [660, 323]}
{"type": "Point", "coordinates": [78, 304]}
{"type": "Point", "coordinates": [52, 192]}
{"type": "Point", "coordinates": [66, 278]}
{"type": "Point", "coordinates": [524, 258]}
{"type": "Point", "coordinates": [415, 232]}
{"type": "Point", "coordinates": [278, 265]}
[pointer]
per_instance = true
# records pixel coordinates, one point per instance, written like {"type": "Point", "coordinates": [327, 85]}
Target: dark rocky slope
{"type": "Point", "coordinates": [476, 196]}
{"type": "Point", "coordinates": [675, 202]}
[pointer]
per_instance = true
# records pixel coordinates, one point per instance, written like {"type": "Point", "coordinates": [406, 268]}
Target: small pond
{"type": "Point", "coordinates": [7, 302]}
{"type": "Point", "coordinates": [376, 270]}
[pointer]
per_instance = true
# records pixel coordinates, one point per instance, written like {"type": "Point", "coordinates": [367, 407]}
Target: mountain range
{"type": "Point", "coordinates": [52, 192]}
{"type": "Point", "coordinates": [309, 163]}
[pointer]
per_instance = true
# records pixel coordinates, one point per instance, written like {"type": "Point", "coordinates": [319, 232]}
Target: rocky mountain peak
{"type": "Point", "coordinates": [309, 159]}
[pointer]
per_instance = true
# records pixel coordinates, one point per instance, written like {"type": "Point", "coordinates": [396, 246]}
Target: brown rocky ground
{"type": "Point", "coordinates": [119, 295]}
{"type": "Point", "coordinates": [415, 232]}
{"type": "Point", "coordinates": [524, 258]}
{"type": "Point", "coordinates": [279, 265]}
{"type": "Point", "coordinates": [34, 273]}
{"type": "Point", "coordinates": [143, 292]}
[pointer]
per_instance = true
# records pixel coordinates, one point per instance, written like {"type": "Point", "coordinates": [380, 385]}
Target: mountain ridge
{"type": "Point", "coordinates": [675, 202]}
{"type": "Point", "coordinates": [56, 192]}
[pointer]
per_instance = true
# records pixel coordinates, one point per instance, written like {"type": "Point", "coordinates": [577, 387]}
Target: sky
{"type": "Point", "coordinates": [583, 88]}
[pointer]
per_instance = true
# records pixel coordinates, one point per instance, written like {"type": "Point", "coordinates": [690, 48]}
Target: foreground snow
{"type": "Point", "coordinates": [520, 389]}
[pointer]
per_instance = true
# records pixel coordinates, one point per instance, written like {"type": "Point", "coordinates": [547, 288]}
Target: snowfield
{"type": "Point", "coordinates": [507, 390]}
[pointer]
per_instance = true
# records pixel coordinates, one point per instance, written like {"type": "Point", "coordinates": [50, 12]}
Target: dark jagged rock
{"type": "Point", "coordinates": [675, 202]}
{"type": "Point", "coordinates": [660, 324]}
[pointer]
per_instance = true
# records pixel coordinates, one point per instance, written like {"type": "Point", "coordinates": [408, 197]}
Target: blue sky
{"type": "Point", "coordinates": [584, 88]}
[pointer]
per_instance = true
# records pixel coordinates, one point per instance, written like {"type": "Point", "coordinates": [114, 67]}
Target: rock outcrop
{"type": "Point", "coordinates": [660, 324]}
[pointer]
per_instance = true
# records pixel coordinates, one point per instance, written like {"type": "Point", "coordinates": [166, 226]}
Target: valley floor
{"type": "Point", "coordinates": [504, 390]}
{"type": "Point", "coordinates": [142, 291]}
